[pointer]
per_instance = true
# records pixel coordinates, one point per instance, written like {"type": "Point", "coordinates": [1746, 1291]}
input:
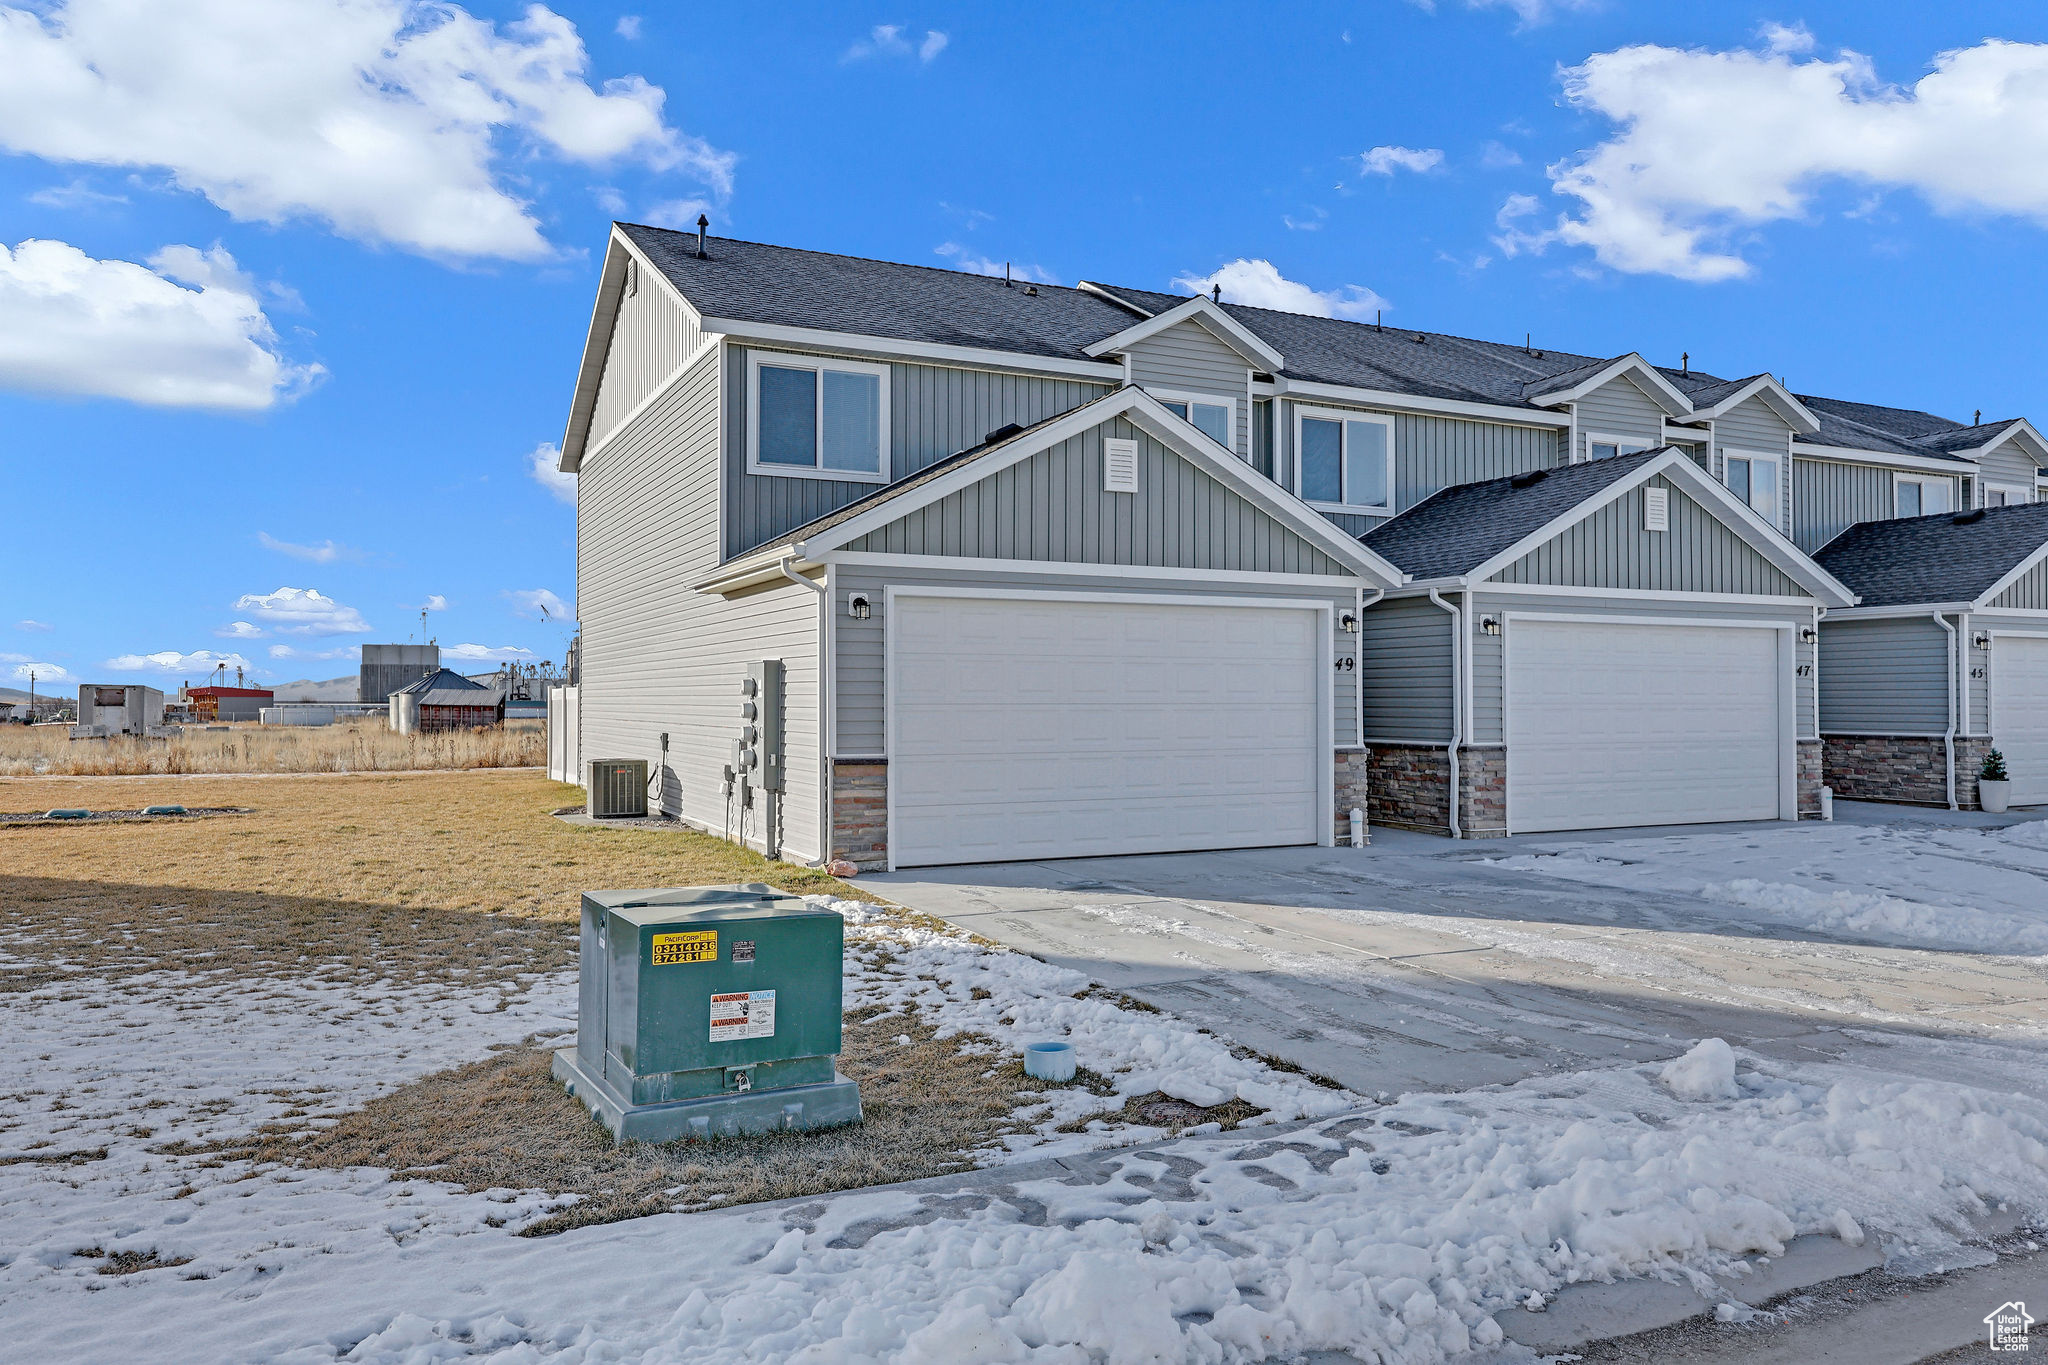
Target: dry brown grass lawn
{"type": "Point", "coordinates": [355, 746]}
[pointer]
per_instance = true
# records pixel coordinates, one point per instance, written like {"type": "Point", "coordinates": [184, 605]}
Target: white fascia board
{"type": "Point", "coordinates": [2017, 572]}
{"type": "Point", "coordinates": [1408, 402]}
{"type": "Point", "coordinates": [1775, 395]}
{"type": "Point", "coordinates": [754, 570]}
{"type": "Point", "coordinates": [861, 559]}
{"type": "Point", "coordinates": [1925, 464]}
{"type": "Point", "coordinates": [2022, 427]}
{"type": "Point", "coordinates": [597, 342]}
{"type": "Point", "coordinates": [1663, 391]}
{"type": "Point", "coordinates": [1228, 330]}
{"type": "Point", "coordinates": [892, 348]}
{"type": "Point", "coordinates": [1906, 610]}
{"type": "Point", "coordinates": [1678, 467]}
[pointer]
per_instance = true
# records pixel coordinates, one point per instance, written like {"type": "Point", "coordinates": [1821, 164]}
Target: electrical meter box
{"type": "Point", "coordinates": [708, 1011]}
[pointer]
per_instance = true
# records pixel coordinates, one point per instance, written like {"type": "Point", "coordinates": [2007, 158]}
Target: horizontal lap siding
{"type": "Point", "coordinates": [934, 411]}
{"type": "Point", "coordinates": [1828, 497]}
{"type": "Point", "coordinates": [1189, 357]}
{"type": "Point", "coordinates": [1404, 662]}
{"type": "Point", "coordinates": [1752, 426]}
{"type": "Point", "coordinates": [656, 655]}
{"type": "Point", "coordinates": [1884, 677]}
{"type": "Point", "coordinates": [1621, 409]}
{"type": "Point", "coordinates": [858, 645]}
{"type": "Point", "coordinates": [1051, 506]}
{"type": "Point", "coordinates": [652, 334]}
{"type": "Point", "coordinates": [1610, 549]}
{"type": "Point", "coordinates": [2029, 591]}
{"type": "Point", "coordinates": [2009, 467]}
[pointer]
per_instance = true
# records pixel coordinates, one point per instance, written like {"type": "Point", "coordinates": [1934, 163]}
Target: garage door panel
{"type": "Point", "coordinates": [1615, 724]}
{"type": "Point", "coordinates": [1070, 728]}
{"type": "Point", "coordinates": [2019, 713]}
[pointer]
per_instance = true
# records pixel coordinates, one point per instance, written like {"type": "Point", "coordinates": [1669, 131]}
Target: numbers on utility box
{"type": "Point", "coordinates": [699, 945]}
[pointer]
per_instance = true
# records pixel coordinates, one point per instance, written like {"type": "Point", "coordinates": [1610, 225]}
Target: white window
{"type": "Point", "coordinates": [2004, 495]}
{"type": "Point", "coordinates": [1344, 460]}
{"type": "Point", "coordinates": [1924, 497]}
{"type": "Point", "coordinates": [1214, 417]}
{"type": "Point", "coordinates": [1600, 447]}
{"type": "Point", "coordinates": [1754, 479]}
{"type": "Point", "coordinates": [815, 418]}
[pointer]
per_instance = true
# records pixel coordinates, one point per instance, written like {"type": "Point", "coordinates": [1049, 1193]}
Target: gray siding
{"type": "Point", "coordinates": [1189, 358]}
{"type": "Point", "coordinates": [1404, 663]}
{"type": "Point", "coordinates": [1262, 436]}
{"type": "Point", "coordinates": [1619, 408]}
{"type": "Point", "coordinates": [858, 645]}
{"type": "Point", "coordinates": [656, 655]}
{"type": "Point", "coordinates": [934, 411]}
{"type": "Point", "coordinates": [1751, 426]}
{"type": "Point", "coordinates": [2030, 591]}
{"type": "Point", "coordinates": [1884, 677]}
{"type": "Point", "coordinates": [1829, 497]}
{"type": "Point", "coordinates": [2010, 467]}
{"type": "Point", "coordinates": [1050, 506]}
{"type": "Point", "coordinates": [651, 335]}
{"type": "Point", "coordinates": [1610, 549]}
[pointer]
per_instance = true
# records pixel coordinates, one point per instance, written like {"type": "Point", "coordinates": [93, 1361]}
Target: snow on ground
{"type": "Point", "coordinates": [1392, 1231]}
{"type": "Point", "coordinates": [1918, 886]}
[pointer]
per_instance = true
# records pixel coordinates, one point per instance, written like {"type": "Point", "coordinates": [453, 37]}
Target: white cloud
{"type": "Point", "coordinates": [198, 663]}
{"type": "Point", "coordinates": [1260, 284]}
{"type": "Point", "coordinates": [326, 552]}
{"type": "Point", "coordinates": [434, 602]}
{"type": "Point", "coordinates": [385, 119]}
{"type": "Point", "coordinates": [241, 630]}
{"type": "Point", "coordinates": [483, 653]}
{"type": "Point", "coordinates": [1495, 156]}
{"type": "Point", "coordinates": [891, 40]}
{"type": "Point", "coordinates": [70, 324]}
{"type": "Point", "coordinates": [1313, 222]}
{"type": "Point", "coordinates": [303, 611]}
{"type": "Point", "coordinates": [32, 625]}
{"type": "Point", "coordinates": [1712, 145]}
{"type": "Point", "coordinates": [1530, 13]}
{"type": "Point", "coordinates": [75, 196]}
{"type": "Point", "coordinates": [1387, 160]}
{"type": "Point", "coordinates": [680, 214]}
{"type": "Point", "coordinates": [19, 666]}
{"type": "Point", "coordinates": [539, 604]}
{"type": "Point", "coordinates": [974, 263]}
{"type": "Point", "coordinates": [289, 652]}
{"type": "Point", "coordinates": [628, 27]}
{"type": "Point", "coordinates": [542, 466]}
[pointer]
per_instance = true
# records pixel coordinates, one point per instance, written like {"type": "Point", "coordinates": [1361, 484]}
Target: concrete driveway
{"type": "Point", "coordinates": [1421, 964]}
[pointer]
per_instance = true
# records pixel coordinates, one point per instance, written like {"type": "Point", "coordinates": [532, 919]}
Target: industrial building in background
{"type": "Point", "coordinates": [210, 704]}
{"type": "Point", "coordinates": [444, 700]}
{"type": "Point", "coordinates": [109, 709]}
{"type": "Point", "coordinates": [387, 668]}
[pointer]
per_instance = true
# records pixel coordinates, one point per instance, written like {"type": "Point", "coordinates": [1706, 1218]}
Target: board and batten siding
{"type": "Point", "coordinates": [1830, 496]}
{"type": "Point", "coordinates": [1752, 427]}
{"type": "Point", "coordinates": [934, 411]}
{"type": "Point", "coordinates": [660, 657]}
{"type": "Point", "coordinates": [2010, 467]}
{"type": "Point", "coordinates": [1610, 549]}
{"type": "Point", "coordinates": [858, 645]}
{"type": "Point", "coordinates": [1404, 666]}
{"type": "Point", "coordinates": [1621, 409]}
{"type": "Point", "coordinates": [652, 334]}
{"type": "Point", "coordinates": [2029, 590]}
{"type": "Point", "coordinates": [1887, 676]}
{"type": "Point", "coordinates": [1189, 358]}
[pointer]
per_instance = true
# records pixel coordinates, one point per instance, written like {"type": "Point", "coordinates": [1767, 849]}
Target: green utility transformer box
{"type": "Point", "coordinates": [708, 1011]}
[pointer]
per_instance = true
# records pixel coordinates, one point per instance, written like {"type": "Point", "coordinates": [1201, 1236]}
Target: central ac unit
{"type": "Point", "coordinates": [617, 788]}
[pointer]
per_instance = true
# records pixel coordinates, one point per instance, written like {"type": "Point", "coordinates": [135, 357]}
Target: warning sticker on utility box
{"type": "Point", "coordinates": [699, 945]}
{"type": "Point", "coordinates": [742, 1014]}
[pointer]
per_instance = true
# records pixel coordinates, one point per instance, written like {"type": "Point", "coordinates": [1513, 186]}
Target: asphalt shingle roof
{"type": "Point", "coordinates": [788, 286]}
{"type": "Point", "coordinates": [1948, 557]}
{"type": "Point", "coordinates": [1455, 531]}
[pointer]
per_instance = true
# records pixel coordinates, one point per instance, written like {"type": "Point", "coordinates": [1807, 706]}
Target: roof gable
{"type": "Point", "coordinates": [1609, 548]}
{"type": "Point", "coordinates": [1256, 352]}
{"type": "Point", "coordinates": [1951, 557]}
{"type": "Point", "coordinates": [1572, 385]}
{"type": "Point", "coordinates": [1721, 399]}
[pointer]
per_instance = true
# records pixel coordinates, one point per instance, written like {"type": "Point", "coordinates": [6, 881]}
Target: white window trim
{"type": "Point", "coordinates": [1214, 400]}
{"type": "Point", "coordinates": [1923, 480]}
{"type": "Point", "coordinates": [2014, 493]}
{"type": "Point", "coordinates": [1775, 518]}
{"type": "Point", "coordinates": [1342, 415]}
{"type": "Point", "coordinates": [1623, 445]}
{"type": "Point", "coordinates": [786, 361]}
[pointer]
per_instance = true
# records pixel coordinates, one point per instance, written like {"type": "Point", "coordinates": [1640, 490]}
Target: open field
{"type": "Point", "coordinates": [354, 746]}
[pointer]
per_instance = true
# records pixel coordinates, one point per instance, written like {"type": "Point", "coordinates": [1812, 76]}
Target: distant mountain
{"type": "Point", "coordinates": [306, 689]}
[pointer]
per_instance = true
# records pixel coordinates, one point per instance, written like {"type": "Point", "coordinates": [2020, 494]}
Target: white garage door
{"type": "Point", "coordinates": [1641, 724]}
{"type": "Point", "coordinates": [2019, 713]}
{"type": "Point", "coordinates": [1046, 729]}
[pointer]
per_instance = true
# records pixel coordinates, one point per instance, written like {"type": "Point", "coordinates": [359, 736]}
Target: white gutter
{"type": "Point", "coordinates": [1948, 738]}
{"type": "Point", "coordinates": [1457, 702]}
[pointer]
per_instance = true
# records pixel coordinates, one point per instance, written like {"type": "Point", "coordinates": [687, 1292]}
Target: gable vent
{"type": "Point", "coordinates": [1119, 466]}
{"type": "Point", "coordinates": [1656, 509]}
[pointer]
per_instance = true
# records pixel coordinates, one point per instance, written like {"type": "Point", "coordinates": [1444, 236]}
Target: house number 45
{"type": "Point", "coordinates": [1977, 672]}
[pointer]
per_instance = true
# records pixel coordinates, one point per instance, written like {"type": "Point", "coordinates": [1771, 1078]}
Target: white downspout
{"type": "Point", "coordinates": [1948, 738]}
{"type": "Point", "coordinates": [824, 710]}
{"type": "Point", "coordinates": [1457, 701]}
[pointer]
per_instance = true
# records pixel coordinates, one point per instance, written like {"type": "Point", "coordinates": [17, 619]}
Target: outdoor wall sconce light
{"type": "Point", "coordinates": [857, 607]}
{"type": "Point", "coordinates": [1490, 624]}
{"type": "Point", "coordinates": [1807, 635]}
{"type": "Point", "coordinates": [1981, 640]}
{"type": "Point", "coordinates": [1348, 620]}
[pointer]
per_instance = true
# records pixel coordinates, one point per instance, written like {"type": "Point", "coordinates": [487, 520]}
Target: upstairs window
{"type": "Point", "coordinates": [1924, 497]}
{"type": "Point", "coordinates": [1754, 479]}
{"type": "Point", "coordinates": [2004, 495]}
{"type": "Point", "coordinates": [1215, 418]}
{"type": "Point", "coordinates": [1344, 461]}
{"type": "Point", "coordinates": [824, 419]}
{"type": "Point", "coordinates": [1607, 447]}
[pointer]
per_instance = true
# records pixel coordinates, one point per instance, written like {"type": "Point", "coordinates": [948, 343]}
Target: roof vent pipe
{"type": "Point", "coordinates": [1216, 293]}
{"type": "Point", "coordinates": [1006, 275]}
{"type": "Point", "coordinates": [1977, 419]}
{"type": "Point", "coordinates": [703, 225]}
{"type": "Point", "coordinates": [1685, 362]}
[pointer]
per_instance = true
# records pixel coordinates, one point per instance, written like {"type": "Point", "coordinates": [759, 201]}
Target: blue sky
{"type": "Point", "coordinates": [294, 293]}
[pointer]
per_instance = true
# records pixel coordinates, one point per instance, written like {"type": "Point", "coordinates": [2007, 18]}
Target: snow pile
{"type": "Point", "coordinates": [1705, 1073]}
{"type": "Point", "coordinates": [2032, 834]}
